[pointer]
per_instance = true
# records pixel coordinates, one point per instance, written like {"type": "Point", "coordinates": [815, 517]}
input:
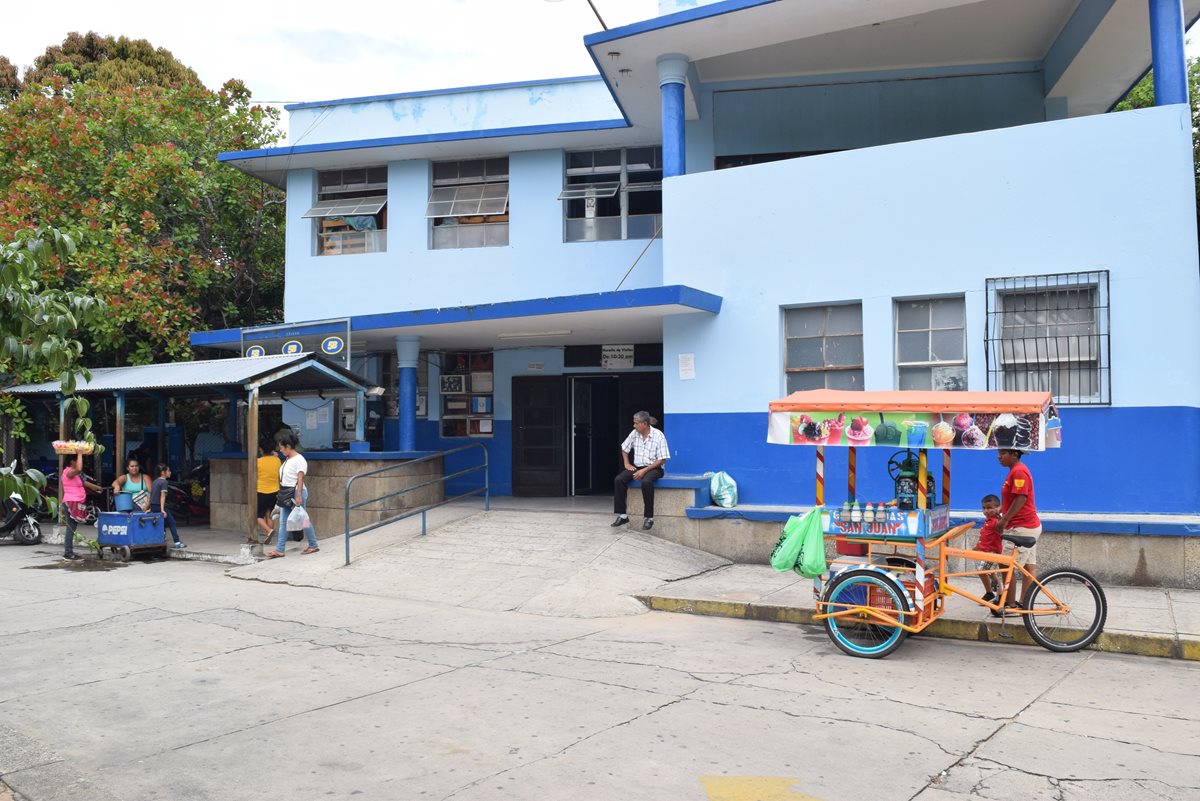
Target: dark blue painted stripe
{"type": "Point", "coordinates": [1126, 526]}
{"type": "Point", "coordinates": [673, 295]}
{"type": "Point", "coordinates": [456, 90]}
{"type": "Point", "coordinates": [420, 139]}
{"type": "Point", "coordinates": [671, 20]}
{"type": "Point", "coordinates": [600, 301]}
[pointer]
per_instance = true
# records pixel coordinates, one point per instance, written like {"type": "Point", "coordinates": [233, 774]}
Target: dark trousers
{"type": "Point", "coordinates": [169, 519]}
{"type": "Point", "coordinates": [69, 537]}
{"type": "Point", "coordinates": [621, 489]}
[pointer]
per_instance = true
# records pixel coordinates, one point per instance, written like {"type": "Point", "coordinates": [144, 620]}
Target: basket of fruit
{"type": "Point", "coordinates": [70, 447]}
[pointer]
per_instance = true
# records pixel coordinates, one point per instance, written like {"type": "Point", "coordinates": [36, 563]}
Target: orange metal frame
{"type": "Point", "coordinates": [915, 620]}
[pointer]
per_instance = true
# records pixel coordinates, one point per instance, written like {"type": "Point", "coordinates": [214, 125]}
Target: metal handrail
{"type": "Point", "coordinates": [485, 489]}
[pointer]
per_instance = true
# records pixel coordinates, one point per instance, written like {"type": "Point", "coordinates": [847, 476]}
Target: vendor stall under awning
{"type": "Point", "coordinates": [297, 375]}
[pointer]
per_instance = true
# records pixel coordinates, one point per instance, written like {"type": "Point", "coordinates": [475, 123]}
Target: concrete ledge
{"type": "Point", "coordinates": [1157, 645]}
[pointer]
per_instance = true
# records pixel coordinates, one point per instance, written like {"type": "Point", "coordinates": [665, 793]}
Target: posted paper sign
{"type": "Point", "coordinates": [310, 420]}
{"type": "Point", "coordinates": [616, 357]}
{"type": "Point", "coordinates": [687, 366]}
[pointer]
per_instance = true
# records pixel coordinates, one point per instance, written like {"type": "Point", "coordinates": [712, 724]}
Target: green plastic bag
{"type": "Point", "coordinates": [723, 490]}
{"type": "Point", "coordinates": [801, 546]}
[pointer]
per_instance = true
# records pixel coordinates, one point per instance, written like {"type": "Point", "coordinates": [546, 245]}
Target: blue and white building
{"type": "Point", "coordinates": [757, 196]}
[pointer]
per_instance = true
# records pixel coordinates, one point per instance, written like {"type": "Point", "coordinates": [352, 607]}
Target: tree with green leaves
{"type": "Point", "coordinates": [110, 60]}
{"type": "Point", "coordinates": [39, 338]}
{"type": "Point", "coordinates": [172, 242]}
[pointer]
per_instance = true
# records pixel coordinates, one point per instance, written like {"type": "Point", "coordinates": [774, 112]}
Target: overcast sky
{"type": "Point", "coordinates": [321, 50]}
{"type": "Point", "coordinates": [310, 50]}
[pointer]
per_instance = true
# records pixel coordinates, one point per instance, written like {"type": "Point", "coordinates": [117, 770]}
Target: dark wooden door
{"type": "Point", "coordinates": [539, 435]}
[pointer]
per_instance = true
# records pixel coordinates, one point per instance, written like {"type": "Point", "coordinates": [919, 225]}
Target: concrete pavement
{"type": "Point", "coordinates": [168, 680]}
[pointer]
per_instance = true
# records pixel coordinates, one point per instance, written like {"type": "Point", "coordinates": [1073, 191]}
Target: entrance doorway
{"type": "Point", "coordinates": [567, 429]}
{"type": "Point", "coordinates": [595, 436]}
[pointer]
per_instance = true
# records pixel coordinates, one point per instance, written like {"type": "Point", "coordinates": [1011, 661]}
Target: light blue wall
{"type": "Point", "coordinates": [536, 263]}
{"type": "Point", "coordinates": [447, 110]}
{"type": "Point", "coordinates": [842, 116]}
{"type": "Point", "coordinates": [934, 217]}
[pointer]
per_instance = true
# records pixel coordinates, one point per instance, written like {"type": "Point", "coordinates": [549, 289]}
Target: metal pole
{"type": "Point", "coordinates": [360, 415]}
{"type": "Point", "coordinates": [852, 474]}
{"type": "Point", "coordinates": [820, 475]}
{"type": "Point", "coordinates": [119, 438]}
{"type": "Point", "coordinates": [922, 490]}
{"type": "Point", "coordinates": [62, 434]}
{"type": "Point", "coordinates": [162, 431]}
{"type": "Point", "coordinates": [252, 462]}
{"type": "Point", "coordinates": [946, 476]}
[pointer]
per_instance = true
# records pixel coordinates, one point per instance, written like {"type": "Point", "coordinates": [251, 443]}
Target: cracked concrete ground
{"type": "Point", "coordinates": [170, 680]}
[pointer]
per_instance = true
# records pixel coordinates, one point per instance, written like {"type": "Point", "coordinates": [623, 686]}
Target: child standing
{"type": "Point", "coordinates": [158, 502]}
{"type": "Point", "coordinates": [989, 541]}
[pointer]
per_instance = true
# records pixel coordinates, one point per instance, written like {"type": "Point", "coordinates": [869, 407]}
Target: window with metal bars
{"type": "Point", "coordinates": [1051, 333]}
{"type": "Point", "coordinates": [823, 347]}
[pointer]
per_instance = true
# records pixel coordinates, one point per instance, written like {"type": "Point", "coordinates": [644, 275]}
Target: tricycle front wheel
{"type": "Point", "coordinates": [860, 633]}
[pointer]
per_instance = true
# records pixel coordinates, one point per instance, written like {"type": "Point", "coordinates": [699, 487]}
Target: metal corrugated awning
{"type": "Point", "coordinates": [296, 373]}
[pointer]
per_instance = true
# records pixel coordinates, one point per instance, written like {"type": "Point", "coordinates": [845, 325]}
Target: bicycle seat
{"type": "Point", "coordinates": [1019, 541]}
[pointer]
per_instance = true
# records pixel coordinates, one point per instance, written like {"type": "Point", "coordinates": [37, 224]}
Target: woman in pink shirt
{"type": "Point", "coordinates": [74, 501]}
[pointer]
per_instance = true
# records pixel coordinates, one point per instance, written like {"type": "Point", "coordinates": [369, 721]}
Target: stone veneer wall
{"type": "Point", "coordinates": [326, 482]}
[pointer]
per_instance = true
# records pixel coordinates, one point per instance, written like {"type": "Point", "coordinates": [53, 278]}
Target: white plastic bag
{"type": "Point", "coordinates": [298, 519]}
{"type": "Point", "coordinates": [723, 490]}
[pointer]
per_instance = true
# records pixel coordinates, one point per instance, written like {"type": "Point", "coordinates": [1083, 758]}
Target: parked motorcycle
{"type": "Point", "coordinates": [20, 521]}
{"type": "Point", "coordinates": [184, 505]}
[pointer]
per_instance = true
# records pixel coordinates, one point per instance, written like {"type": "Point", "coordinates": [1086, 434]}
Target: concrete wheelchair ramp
{"type": "Point", "coordinates": [560, 564]}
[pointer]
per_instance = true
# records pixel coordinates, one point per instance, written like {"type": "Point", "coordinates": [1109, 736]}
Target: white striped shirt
{"type": "Point", "coordinates": [646, 449]}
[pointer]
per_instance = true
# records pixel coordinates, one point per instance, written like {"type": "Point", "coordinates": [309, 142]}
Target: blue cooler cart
{"type": "Point", "coordinates": [126, 533]}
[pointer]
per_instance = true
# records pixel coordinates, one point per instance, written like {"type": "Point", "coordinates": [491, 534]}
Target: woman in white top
{"type": "Point", "coordinates": [291, 476]}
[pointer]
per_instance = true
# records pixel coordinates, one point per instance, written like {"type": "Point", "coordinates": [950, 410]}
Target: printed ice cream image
{"type": "Point", "coordinates": [804, 430]}
{"type": "Point", "coordinates": [835, 426]}
{"type": "Point", "coordinates": [912, 521]}
{"type": "Point", "coordinates": [943, 435]}
{"type": "Point", "coordinates": [1011, 431]}
{"type": "Point", "coordinates": [916, 433]}
{"type": "Point", "coordinates": [860, 431]}
{"type": "Point", "coordinates": [974, 437]}
{"type": "Point", "coordinates": [887, 433]}
{"type": "Point", "coordinates": [961, 423]}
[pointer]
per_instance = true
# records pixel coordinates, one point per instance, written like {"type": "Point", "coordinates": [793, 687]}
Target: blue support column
{"type": "Point", "coordinates": [1166, 44]}
{"type": "Point", "coordinates": [119, 441]}
{"type": "Point", "coordinates": [408, 351]}
{"type": "Point", "coordinates": [672, 77]}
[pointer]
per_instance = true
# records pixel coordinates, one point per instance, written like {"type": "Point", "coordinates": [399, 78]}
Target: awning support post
{"type": "Point", "coordinates": [360, 415]}
{"type": "Point", "coordinates": [119, 437]}
{"type": "Point", "coordinates": [252, 462]}
{"type": "Point", "coordinates": [162, 454]}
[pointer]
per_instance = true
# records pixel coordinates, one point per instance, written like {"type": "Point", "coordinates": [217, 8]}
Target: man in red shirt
{"type": "Point", "coordinates": [1018, 515]}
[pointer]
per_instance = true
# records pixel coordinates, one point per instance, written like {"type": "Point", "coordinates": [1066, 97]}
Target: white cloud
{"type": "Point", "coordinates": [313, 50]}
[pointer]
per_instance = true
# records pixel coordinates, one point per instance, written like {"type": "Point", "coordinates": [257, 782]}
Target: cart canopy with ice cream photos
{"type": "Point", "coordinates": [1025, 421]}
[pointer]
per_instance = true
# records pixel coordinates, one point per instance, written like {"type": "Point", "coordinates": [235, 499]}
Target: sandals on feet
{"type": "Point", "coordinates": [273, 554]}
{"type": "Point", "coordinates": [309, 550]}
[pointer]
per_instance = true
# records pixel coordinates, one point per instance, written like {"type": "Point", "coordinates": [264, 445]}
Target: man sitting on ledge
{"type": "Point", "coordinates": [648, 448]}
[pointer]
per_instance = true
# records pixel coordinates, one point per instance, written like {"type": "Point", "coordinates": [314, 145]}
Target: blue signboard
{"type": "Point", "coordinates": [332, 345]}
{"type": "Point", "coordinates": [255, 351]}
{"type": "Point", "coordinates": [292, 347]}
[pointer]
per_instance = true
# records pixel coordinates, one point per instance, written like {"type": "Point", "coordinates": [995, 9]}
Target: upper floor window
{"type": "Point", "coordinates": [1050, 333]}
{"type": "Point", "coordinates": [468, 205]}
{"type": "Point", "coordinates": [931, 344]}
{"type": "Point", "coordinates": [824, 347]}
{"type": "Point", "coordinates": [351, 211]}
{"type": "Point", "coordinates": [613, 194]}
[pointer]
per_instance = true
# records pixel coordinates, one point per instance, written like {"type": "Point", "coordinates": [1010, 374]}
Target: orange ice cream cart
{"type": "Point", "coordinates": [891, 575]}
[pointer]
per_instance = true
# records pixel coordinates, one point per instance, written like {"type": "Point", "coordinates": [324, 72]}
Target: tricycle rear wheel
{"type": "Point", "coordinates": [1069, 631]}
{"type": "Point", "coordinates": [860, 634]}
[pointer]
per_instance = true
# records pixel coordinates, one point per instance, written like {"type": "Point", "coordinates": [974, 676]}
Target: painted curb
{"type": "Point", "coordinates": [1164, 646]}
